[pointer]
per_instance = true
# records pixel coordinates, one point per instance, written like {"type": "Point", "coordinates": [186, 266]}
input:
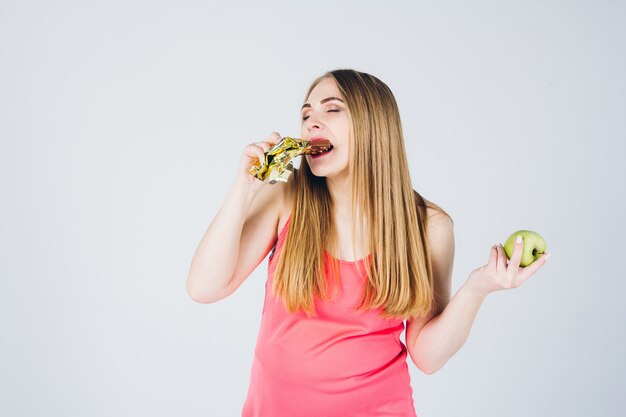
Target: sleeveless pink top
{"type": "Point", "coordinates": [341, 363]}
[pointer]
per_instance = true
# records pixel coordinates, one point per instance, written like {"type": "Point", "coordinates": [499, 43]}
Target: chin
{"type": "Point", "coordinates": [319, 172]}
{"type": "Point", "coordinates": [326, 168]}
{"type": "Point", "coordinates": [326, 172]}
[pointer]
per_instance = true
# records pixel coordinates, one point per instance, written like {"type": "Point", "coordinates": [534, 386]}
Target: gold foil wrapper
{"type": "Point", "coordinates": [277, 162]}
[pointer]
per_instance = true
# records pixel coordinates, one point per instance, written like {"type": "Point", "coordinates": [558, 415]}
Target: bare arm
{"type": "Point", "coordinates": [427, 355]}
{"type": "Point", "coordinates": [240, 235]}
{"type": "Point", "coordinates": [446, 333]}
{"type": "Point", "coordinates": [216, 257]}
{"type": "Point", "coordinates": [442, 336]}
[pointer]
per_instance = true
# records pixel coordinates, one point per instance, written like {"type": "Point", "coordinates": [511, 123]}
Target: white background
{"type": "Point", "coordinates": [121, 123]}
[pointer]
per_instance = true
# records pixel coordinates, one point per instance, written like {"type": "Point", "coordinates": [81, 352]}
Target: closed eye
{"type": "Point", "coordinates": [304, 118]}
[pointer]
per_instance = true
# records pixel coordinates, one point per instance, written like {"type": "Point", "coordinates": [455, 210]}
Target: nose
{"type": "Point", "coordinates": [312, 122]}
{"type": "Point", "coordinates": [311, 130]}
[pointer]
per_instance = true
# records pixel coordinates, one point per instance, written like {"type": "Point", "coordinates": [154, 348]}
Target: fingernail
{"type": "Point", "coordinates": [519, 239]}
{"type": "Point", "coordinates": [548, 255]}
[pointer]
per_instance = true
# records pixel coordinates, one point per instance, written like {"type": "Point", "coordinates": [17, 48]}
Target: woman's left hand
{"type": "Point", "coordinates": [501, 273]}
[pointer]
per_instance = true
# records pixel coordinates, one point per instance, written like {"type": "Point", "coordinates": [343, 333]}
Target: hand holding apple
{"type": "Point", "coordinates": [499, 274]}
{"type": "Point", "coordinates": [534, 246]}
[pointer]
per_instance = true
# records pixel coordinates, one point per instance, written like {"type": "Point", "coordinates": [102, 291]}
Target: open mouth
{"type": "Point", "coordinates": [322, 152]}
{"type": "Point", "coordinates": [319, 146]}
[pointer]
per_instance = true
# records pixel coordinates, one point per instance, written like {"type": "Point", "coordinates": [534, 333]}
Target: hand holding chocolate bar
{"type": "Point", "coordinates": [277, 161]}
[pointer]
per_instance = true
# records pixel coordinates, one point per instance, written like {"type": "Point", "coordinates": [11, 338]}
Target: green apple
{"type": "Point", "coordinates": [533, 246]}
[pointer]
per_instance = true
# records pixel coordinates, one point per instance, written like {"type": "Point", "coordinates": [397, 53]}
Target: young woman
{"type": "Point", "coordinates": [356, 252]}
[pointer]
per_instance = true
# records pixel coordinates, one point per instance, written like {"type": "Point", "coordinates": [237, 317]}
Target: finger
{"type": "Point", "coordinates": [516, 256]}
{"type": "Point", "coordinates": [255, 150]}
{"type": "Point", "coordinates": [493, 256]}
{"type": "Point", "coordinates": [264, 145]}
{"type": "Point", "coordinates": [501, 260]}
{"type": "Point", "coordinates": [526, 272]}
{"type": "Point", "coordinates": [273, 138]}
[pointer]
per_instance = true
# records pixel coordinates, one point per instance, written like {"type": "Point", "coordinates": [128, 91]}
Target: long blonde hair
{"type": "Point", "coordinates": [399, 276]}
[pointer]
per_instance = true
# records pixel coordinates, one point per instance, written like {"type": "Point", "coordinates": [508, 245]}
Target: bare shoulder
{"type": "Point", "coordinates": [441, 247]}
{"type": "Point", "coordinates": [440, 233]}
{"type": "Point", "coordinates": [436, 216]}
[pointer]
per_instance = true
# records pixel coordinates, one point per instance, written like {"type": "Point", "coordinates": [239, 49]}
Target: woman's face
{"type": "Point", "coordinates": [325, 115]}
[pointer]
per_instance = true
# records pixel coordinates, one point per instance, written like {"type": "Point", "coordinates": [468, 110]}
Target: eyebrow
{"type": "Point", "coordinates": [322, 102]}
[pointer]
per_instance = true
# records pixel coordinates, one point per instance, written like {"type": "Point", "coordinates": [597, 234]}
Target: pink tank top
{"type": "Point", "coordinates": [341, 363]}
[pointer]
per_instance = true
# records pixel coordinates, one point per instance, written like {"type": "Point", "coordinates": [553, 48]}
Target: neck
{"type": "Point", "coordinates": [340, 188]}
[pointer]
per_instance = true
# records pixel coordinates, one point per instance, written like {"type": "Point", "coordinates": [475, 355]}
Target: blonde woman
{"type": "Point", "coordinates": [355, 252]}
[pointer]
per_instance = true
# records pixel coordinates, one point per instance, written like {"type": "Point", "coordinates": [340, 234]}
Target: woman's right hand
{"type": "Point", "coordinates": [251, 154]}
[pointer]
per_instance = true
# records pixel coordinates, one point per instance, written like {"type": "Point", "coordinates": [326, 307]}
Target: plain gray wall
{"type": "Point", "coordinates": [122, 122]}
